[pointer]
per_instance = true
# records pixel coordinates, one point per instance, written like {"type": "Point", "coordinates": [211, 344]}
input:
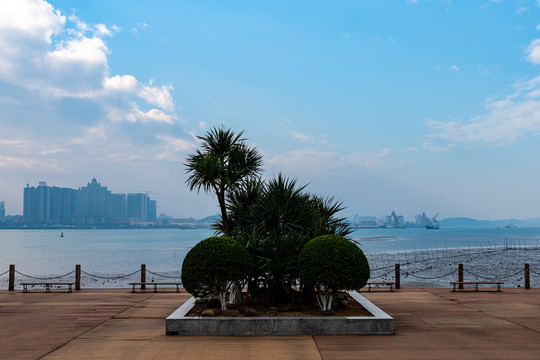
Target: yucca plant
{"type": "Point", "coordinates": [222, 163]}
{"type": "Point", "coordinates": [274, 219]}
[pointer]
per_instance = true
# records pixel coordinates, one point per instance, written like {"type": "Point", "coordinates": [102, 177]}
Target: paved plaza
{"type": "Point", "coordinates": [429, 323]}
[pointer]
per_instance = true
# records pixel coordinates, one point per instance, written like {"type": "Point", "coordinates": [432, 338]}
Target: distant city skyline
{"type": "Point", "coordinates": [398, 105]}
{"type": "Point", "coordinates": [90, 204]}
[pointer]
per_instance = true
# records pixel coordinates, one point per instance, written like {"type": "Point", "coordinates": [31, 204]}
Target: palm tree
{"type": "Point", "coordinates": [222, 164]}
{"type": "Point", "coordinates": [274, 219]}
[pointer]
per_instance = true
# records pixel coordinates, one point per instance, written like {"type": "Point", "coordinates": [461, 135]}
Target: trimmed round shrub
{"type": "Point", "coordinates": [333, 262]}
{"type": "Point", "coordinates": [213, 263]}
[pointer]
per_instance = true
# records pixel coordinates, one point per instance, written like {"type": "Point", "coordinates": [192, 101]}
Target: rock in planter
{"type": "Point", "coordinates": [208, 312]}
{"type": "Point", "coordinates": [230, 313]}
{"type": "Point", "coordinates": [250, 312]}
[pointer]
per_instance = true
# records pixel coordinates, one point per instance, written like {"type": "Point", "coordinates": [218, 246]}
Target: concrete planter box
{"type": "Point", "coordinates": [380, 324]}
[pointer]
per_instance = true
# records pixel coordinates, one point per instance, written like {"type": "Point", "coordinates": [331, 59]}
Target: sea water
{"type": "Point", "coordinates": [413, 239]}
{"type": "Point", "coordinates": [43, 253]}
{"type": "Point", "coordinates": [111, 251]}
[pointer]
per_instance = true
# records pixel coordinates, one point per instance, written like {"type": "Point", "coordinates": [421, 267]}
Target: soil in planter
{"type": "Point", "coordinates": [352, 309]}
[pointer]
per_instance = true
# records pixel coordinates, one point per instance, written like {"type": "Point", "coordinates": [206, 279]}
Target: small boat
{"type": "Point", "coordinates": [433, 226]}
{"type": "Point", "coordinates": [433, 223]}
{"type": "Point", "coordinates": [62, 234]}
{"type": "Point", "coordinates": [510, 226]}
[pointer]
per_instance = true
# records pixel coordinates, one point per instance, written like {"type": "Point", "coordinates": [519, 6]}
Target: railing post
{"type": "Point", "coordinates": [460, 275]}
{"type": "Point", "coordinates": [77, 277]}
{"type": "Point", "coordinates": [143, 276]}
{"type": "Point", "coordinates": [397, 277]}
{"type": "Point", "coordinates": [527, 277]}
{"type": "Point", "coordinates": [11, 285]}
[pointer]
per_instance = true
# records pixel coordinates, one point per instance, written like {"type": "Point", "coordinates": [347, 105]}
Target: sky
{"type": "Point", "coordinates": [405, 105]}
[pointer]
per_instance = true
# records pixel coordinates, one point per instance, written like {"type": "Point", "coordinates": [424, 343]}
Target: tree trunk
{"type": "Point", "coordinates": [221, 199]}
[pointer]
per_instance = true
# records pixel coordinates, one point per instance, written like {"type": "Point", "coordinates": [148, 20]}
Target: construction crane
{"type": "Point", "coordinates": [395, 218]}
{"type": "Point", "coordinates": [433, 223]}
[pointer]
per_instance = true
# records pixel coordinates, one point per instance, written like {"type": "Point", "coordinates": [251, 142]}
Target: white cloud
{"type": "Point", "coordinates": [12, 162]}
{"type": "Point", "coordinates": [428, 145]}
{"type": "Point", "coordinates": [138, 27]}
{"type": "Point", "coordinates": [533, 51]}
{"type": "Point", "coordinates": [152, 115]}
{"type": "Point", "coordinates": [313, 162]}
{"type": "Point", "coordinates": [506, 120]}
{"type": "Point", "coordinates": [301, 137]}
{"type": "Point", "coordinates": [59, 58]}
{"type": "Point", "coordinates": [483, 70]}
{"type": "Point", "coordinates": [454, 68]}
{"type": "Point", "coordinates": [173, 148]}
{"type": "Point", "coordinates": [489, 3]}
{"type": "Point", "coordinates": [34, 18]}
{"type": "Point", "coordinates": [102, 30]}
{"type": "Point", "coordinates": [125, 83]}
{"type": "Point", "coordinates": [157, 96]}
{"type": "Point", "coordinates": [85, 51]}
{"type": "Point", "coordinates": [65, 114]}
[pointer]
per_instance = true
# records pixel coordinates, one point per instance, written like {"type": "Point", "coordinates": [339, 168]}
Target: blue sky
{"type": "Point", "coordinates": [387, 105]}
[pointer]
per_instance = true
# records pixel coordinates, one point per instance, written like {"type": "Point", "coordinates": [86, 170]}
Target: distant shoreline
{"type": "Point", "coordinates": [105, 227]}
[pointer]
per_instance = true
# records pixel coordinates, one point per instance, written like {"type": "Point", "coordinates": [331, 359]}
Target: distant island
{"type": "Point", "coordinates": [464, 222]}
{"type": "Point", "coordinates": [163, 222]}
{"type": "Point", "coordinates": [364, 222]}
{"type": "Point", "coordinates": [449, 223]}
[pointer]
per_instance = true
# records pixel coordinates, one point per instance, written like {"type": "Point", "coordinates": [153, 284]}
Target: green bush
{"type": "Point", "coordinates": [213, 263]}
{"type": "Point", "coordinates": [333, 263]}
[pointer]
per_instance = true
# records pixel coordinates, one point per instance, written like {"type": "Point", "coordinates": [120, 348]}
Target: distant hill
{"type": "Point", "coordinates": [464, 222]}
{"type": "Point", "coordinates": [206, 220]}
{"type": "Point", "coordinates": [209, 219]}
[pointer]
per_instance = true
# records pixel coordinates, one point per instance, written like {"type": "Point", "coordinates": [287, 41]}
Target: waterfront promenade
{"type": "Point", "coordinates": [430, 323]}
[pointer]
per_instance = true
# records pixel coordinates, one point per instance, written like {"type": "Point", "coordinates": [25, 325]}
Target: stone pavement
{"type": "Point", "coordinates": [116, 324]}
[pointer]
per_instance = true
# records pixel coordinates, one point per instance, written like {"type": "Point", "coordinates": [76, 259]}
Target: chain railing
{"type": "Point", "coordinates": [163, 276]}
{"type": "Point", "coordinates": [110, 277]}
{"type": "Point", "coordinates": [428, 278]}
{"type": "Point", "coordinates": [44, 278]}
{"type": "Point", "coordinates": [420, 267]}
{"type": "Point", "coordinates": [492, 278]}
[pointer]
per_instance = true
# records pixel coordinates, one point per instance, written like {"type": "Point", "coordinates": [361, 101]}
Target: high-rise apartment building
{"type": "Point", "coordinates": [36, 207]}
{"type": "Point", "coordinates": [91, 204]}
{"type": "Point", "coordinates": [2, 211]}
{"type": "Point", "coordinates": [118, 206]}
{"type": "Point", "coordinates": [151, 210]}
{"type": "Point", "coordinates": [137, 205]}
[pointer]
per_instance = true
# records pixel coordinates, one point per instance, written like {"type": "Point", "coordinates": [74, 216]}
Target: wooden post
{"type": "Point", "coordinates": [527, 277]}
{"type": "Point", "coordinates": [11, 285]}
{"type": "Point", "coordinates": [143, 276]}
{"type": "Point", "coordinates": [460, 275]}
{"type": "Point", "coordinates": [77, 277]}
{"type": "Point", "coordinates": [397, 277]}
